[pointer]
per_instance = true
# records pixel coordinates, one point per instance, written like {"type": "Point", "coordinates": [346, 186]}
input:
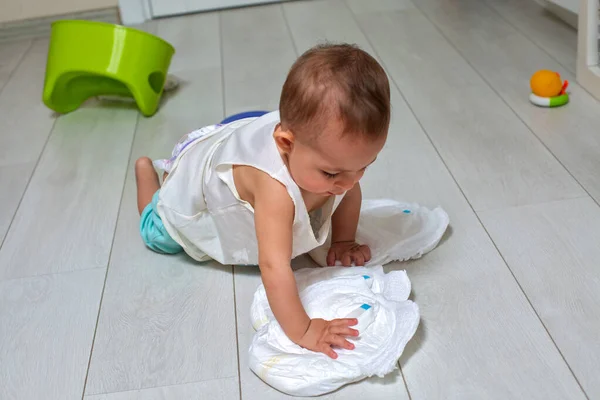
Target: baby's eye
{"type": "Point", "coordinates": [329, 175]}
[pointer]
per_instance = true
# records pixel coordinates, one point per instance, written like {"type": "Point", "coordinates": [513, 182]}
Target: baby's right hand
{"type": "Point", "coordinates": [321, 335]}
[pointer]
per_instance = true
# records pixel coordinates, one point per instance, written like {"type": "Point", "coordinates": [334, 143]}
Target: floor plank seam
{"type": "Point", "coordinates": [474, 212]}
{"type": "Point", "coordinates": [161, 386]}
{"type": "Point", "coordinates": [50, 274]}
{"type": "Point", "coordinates": [237, 332]}
{"type": "Point", "coordinates": [404, 380]}
{"type": "Point", "coordinates": [224, 113]}
{"type": "Point", "coordinates": [289, 29]}
{"type": "Point", "coordinates": [533, 308]}
{"type": "Point", "coordinates": [368, 40]}
{"type": "Point", "coordinates": [10, 76]}
{"type": "Point", "coordinates": [516, 28]}
{"type": "Point", "coordinates": [128, 161]}
{"type": "Point", "coordinates": [489, 84]}
{"type": "Point", "coordinates": [37, 163]}
{"type": "Point", "coordinates": [537, 203]}
{"type": "Point", "coordinates": [16, 67]}
{"type": "Point", "coordinates": [222, 56]}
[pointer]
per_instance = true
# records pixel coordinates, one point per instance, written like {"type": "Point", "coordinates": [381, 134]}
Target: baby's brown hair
{"type": "Point", "coordinates": [336, 81]}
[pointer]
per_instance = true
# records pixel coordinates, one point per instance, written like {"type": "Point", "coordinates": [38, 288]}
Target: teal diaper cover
{"type": "Point", "coordinates": [153, 230]}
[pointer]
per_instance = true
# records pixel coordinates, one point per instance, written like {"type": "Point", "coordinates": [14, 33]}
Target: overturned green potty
{"type": "Point", "coordinates": [88, 59]}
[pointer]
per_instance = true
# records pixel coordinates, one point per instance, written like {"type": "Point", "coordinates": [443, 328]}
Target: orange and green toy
{"type": "Point", "coordinates": [548, 90]}
{"type": "Point", "coordinates": [87, 59]}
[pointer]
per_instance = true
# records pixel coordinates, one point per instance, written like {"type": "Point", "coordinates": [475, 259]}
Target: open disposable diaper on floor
{"type": "Point", "coordinates": [386, 318]}
{"type": "Point", "coordinates": [394, 231]}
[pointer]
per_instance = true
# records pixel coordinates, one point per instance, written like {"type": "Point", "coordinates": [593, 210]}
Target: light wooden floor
{"type": "Point", "coordinates": [510, 300]}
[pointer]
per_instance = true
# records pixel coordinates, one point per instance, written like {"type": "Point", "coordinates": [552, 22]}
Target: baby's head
{"type": "Point", "coordinates": [335, 114]}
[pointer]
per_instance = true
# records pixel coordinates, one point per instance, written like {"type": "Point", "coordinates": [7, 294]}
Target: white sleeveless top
{"type": "Point", "coordinates": [202, 211]}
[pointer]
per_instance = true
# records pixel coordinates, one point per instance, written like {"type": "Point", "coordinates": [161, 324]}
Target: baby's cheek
{"type": "Point", "coordinates": [312, 184]}
{"type": "Point", "coordinates": [323, 183]}
{"type": "Point", "coordinates": [310, 178]}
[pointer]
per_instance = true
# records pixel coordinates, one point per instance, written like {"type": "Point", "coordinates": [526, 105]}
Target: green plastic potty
{"type": "Point", "coordinates": [88, 59]}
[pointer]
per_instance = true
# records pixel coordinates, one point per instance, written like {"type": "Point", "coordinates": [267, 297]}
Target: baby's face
{"type": "Point", "coordinates": [333, 163]}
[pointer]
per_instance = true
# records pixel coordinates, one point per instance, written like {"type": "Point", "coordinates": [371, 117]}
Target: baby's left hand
{"type": "Point", "coordinates": [348, 253]}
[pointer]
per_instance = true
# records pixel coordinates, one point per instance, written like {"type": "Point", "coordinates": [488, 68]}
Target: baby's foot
{"type": "Point", "coordinates": [144, 170]}
{"type": "Point", "coordinates": [147, 182]}
{"type": "Point", "coordinates": [143, 163]}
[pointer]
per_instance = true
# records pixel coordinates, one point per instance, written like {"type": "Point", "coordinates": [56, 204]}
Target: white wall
{"type": "Point", "coordinates": [15, 10]}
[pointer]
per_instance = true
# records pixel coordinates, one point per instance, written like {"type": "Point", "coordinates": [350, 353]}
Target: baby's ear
{"type": "Point", "coordinates": [284, 139]}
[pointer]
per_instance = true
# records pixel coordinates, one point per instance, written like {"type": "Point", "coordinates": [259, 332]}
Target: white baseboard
{"type": "Point", "coordinates": [564, 14]}
{"type": "Point", "coordinates": [40, 27]}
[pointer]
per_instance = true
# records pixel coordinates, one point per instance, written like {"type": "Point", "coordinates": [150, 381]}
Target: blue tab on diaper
{"type": "Point", "coordinates": [365, 306]}
{"type": "Point", "coordinates": [366, 277]}
{"type": "Point", "coordinates": [406, 211]}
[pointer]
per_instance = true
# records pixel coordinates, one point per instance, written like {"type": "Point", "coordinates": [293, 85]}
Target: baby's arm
{"type": "Point", "coordinates": [274, 218]}
{"type": "Point", "coordinates": [343, 237]}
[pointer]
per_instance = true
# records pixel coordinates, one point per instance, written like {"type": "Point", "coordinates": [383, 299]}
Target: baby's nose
{"type": "Point", "coordinates": [346, 183]}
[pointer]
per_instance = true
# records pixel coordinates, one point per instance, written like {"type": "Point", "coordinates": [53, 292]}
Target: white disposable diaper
{"type": "Point", "coordinates": [386, 318]}
{"type": "Point", "coordinates": [386, 321]}
{"type": "Point", "coordinates": [394, 231]}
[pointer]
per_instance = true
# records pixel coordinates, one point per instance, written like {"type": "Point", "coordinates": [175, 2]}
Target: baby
{"type": "Point", "coordinates": [265, 190]}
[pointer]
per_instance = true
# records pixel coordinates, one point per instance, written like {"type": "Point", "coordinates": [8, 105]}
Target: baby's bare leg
{"type": "Point", "coordinates": [147, 182]}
